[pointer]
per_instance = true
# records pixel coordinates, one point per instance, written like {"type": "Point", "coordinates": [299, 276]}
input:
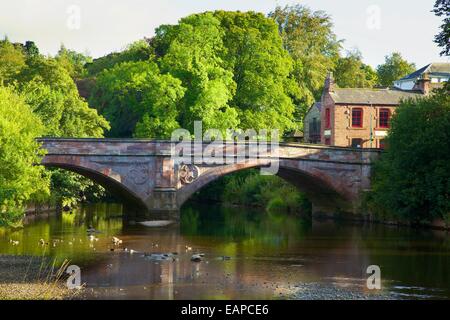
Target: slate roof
{"type": "Point", "coordinates": [432, 68]}
{"type": "Point", "coordinates": [371, 96]}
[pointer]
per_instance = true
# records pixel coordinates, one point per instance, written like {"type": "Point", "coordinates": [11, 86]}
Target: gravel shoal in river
{"type": "Point", "coordinates": [31, 278]}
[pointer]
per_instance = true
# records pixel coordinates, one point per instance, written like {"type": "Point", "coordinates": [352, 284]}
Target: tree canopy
{"type": "Point", "coordinates": [309, 38]}
{"type": "Point", "coordinates": [351, 72]}
{"type": "Point", "coordinates": [394, 68]}
{"type": "Point", "coordinates": [20, 179]}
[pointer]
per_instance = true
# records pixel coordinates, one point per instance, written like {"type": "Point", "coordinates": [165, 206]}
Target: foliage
{"type": "Point", "coordinates": [12, 61]}
{"type": "Point", "coordinates": [53, 95]}
{"type": "Point", "coordinates": [394, 68]}
{"type": "Point", "coordinates": [412, 180]}
{"type": "Point", "coordinates": [311, 42]}
{"type": "Point", "coordinates": [137, 99]}
{"type": "Point", "coordinates": [20, 179]}
{"type": "Point", "coordinates": [137, 51]}
{"type": "Point", "coordinates": [442, 9]}
{"type": "Point", "coordinates": [73, 62]}
{"type": "Point", "coordinates": [46, 86]}
{"type": "Point", "coordinates": [249, 188]}
{"type": "Point", "coordinates": [351, 72]}
{"type": "Point", "coordinates": [261, 70]}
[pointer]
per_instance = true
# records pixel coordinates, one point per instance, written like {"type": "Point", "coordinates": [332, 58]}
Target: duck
{"type": "Point", "coordinates": [159, 256]}
{"type": "Point", "coordinates": [91, 229]}
{"type": "Point", "coordinates": [14, 242]}
{"type": "Point", "coordinates": [188, 248]}
{"type": "Point", "coordinates": [92, 238]}
{"type": "Point", "coordinates": [197, 257]}
{"type": "Point", "coordinates": [116, 241]}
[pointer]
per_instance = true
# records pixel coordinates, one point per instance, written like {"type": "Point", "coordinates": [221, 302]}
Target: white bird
{"type": "Point", "coordinates": [116, 241]}
{"type": "Point", "coordinates": [197, 257]}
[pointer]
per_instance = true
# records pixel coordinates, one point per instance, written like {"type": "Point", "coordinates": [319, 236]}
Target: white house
{"type": "Point", "coordinates": [437, 73]}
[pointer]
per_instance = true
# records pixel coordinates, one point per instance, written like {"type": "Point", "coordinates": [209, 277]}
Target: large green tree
{"type": "Point", "coordinates": [309, 38]}
{"type": "Point", "coordinates": [53, 95]}
{"type": "Point", "coordinates": [394, 68]}
{"type": "Point", "coordinates": [351, 72]}
{"type": "Point", "coordinates": [21, 180]}
{"type": "Point", "coordinates": [234, 68]}
{"type": "Point", "coordinates": [138, 100]}
{"type": "Point", "coordinates": [193, 56]}
{"type": "Point", "coordinates": [412, 179]}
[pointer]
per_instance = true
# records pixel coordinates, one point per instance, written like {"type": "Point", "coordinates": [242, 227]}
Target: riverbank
{"type": "Point", "coordinates": [31, 278]}
{"type": "Point", "coordinates": [437, 224]}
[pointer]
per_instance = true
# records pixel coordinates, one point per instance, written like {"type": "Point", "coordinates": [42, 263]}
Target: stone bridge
{"type": "Point", "coordinates": [146, 174]}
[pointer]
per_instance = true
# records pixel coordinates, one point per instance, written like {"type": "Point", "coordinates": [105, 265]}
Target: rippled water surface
{"type": "Point", "coordinates": [248, 254]}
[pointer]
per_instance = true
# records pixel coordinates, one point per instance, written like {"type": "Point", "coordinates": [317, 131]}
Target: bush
{"type": "Point", "coordinates": [412, 179]}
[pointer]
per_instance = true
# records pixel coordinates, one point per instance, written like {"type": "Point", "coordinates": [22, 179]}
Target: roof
{"type": "Point", "coordinates": [437, 68]}
{"type": "Point", "coordinates": [317, 105]}
{"type": "Point", "coordinates": [372, 96]}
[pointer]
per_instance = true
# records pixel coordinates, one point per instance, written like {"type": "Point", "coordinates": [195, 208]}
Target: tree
{"type": "Point", "coordinates": [193, 56]}
{"type": "Point", "coordinates": [311, 42]}
{"type": "Point", "coordinates": [53, 95]}
{"type": "Point", "coordinates": [21, 180]}
{"type": "Point", "coordinates": [351, 72]}
{"type": "Point", "coordinates": [73, 62]}
{"type": "Point", "coordinates": [394, 68]}
{"type": "Point", "coordinates": [136, 92]}
{"type": "Point", "coordinates": [233, 67]}
{"type": "Point", "coordinates": [136, 51]}
{"type": "Point", "coordinates": [12, 61]}
{"type": "Point", "coordinates": [31, 49]}
{"type": "Point", "coordinates": [442, 9]}
{"type": "Point", "coordinates": [261, 70]}
{"type": "Point", "coordinates": [412, 180]}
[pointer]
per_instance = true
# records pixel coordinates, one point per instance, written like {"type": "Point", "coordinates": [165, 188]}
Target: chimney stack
{"type": "Point", "coordinates": [423, 84]}
{"type": "Point", "coordinates": [329, 83]}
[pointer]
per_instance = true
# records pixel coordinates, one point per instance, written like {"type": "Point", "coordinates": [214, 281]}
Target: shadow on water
{"type": "Point", "coordinates": [248, 254]}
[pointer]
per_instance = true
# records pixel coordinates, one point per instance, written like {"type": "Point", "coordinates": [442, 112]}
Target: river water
{"type": "Point", "coordinates": [248, 254]}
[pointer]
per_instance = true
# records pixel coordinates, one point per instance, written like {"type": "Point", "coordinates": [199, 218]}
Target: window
{"type": "Point", "coordinates": [327, 118]}
{"type": "Point", "coordinates": [328, 141]}
{"type": "Point", "coordinates": [357, 118]}
{"type": "Point", "coordinates": [357, 143]}
{"type": "Point", "coordinates": [384, 118]}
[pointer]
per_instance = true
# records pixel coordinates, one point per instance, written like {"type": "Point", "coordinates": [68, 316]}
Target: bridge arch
{"type": "Point", "coordinates": [107, 181]}
{"type": "Point", "coordinates": [315, 185]}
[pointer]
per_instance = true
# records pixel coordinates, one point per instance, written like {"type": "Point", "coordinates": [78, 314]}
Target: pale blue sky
{"type": "Point", "coordinates": [407, 26]}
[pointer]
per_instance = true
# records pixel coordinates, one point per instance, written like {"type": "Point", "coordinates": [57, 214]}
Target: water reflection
{"type": "Point", "coordinates": [272, 255]}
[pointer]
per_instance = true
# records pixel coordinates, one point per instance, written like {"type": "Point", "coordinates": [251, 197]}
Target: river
{"type": "Point", "coordinates": [248, 254]}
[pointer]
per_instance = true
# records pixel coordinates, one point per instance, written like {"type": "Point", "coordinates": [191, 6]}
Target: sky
{"type": "Point", "coordinates": [374, 27]}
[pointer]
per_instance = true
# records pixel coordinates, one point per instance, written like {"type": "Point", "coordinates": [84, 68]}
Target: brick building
{"type": "Point", "coordinates": [360, 118]}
